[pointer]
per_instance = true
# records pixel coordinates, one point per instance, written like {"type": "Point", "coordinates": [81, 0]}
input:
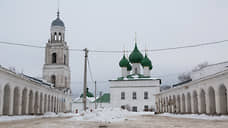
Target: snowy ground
{"type": "Point", "coordinates": [140, 121]}
{"type": "Point", "coordinates": [109, 115]}
{"type": "Point", "coordinates": [26, 117]}
{"type": "Point", "coordinates": [196, 116]}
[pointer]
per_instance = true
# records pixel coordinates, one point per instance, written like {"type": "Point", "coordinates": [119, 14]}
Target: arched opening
{"type": "Point", "coordinates": [174, 104]}
{"type": "Point", "coordinates": [166, 104]}
{"type": "Point", "coordinates": [30, 102]}
{"type": "Point", "coordinates": [195, 102]}
{"type": "Point", "coordinates": [16, 101]}
{"type": "Point", "coordinates": [49, 103]}
{"type": "Point", "coordinates": [36, 105]}
{"type": "Point", "coordinates": [163, 104]}
{"type": "Point", "coordinates": [66, 82]}
{"type": "Point", "coordinates": [54, 104]}
{"type": "Point", "coordinates": [41, 103]}
{"type": "Point", "coordinates": [55, 36]}
{"type": "Point", "coordinates": [202, 101]}
{"type": "Point", "coordinates": [183, 103]}
{"type": "Point", "coordinates": [54, 56]}
{"type": "Point", "coordinates": [212, 105]}
{"type": "Point", "coordinates": [24, 101]}
{"type": "Point", "coordinates": [53, 80]}
{"type": "Point", "coordinates": [178, 104]}
{"type": "Point", "coordinates": [169, 103]}
{"type": "Point", "coordinates": [223, 99]}
{"type": "Point", "coordinates": [60, 36]}
{"type": "Point", "coordinates": [6, 102]}
{"type": "Point", "coordinates": [64, 59]}
{"type": "Point", "coordinates": [45, 103]}
{"type": "Point", "coordinates": [189, 105]}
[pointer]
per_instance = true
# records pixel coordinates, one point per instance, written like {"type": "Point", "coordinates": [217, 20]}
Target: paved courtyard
{"type": "Point", "coordinates": [146, 121]}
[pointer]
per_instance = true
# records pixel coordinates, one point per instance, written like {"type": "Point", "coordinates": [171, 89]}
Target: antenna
{"type": "Point", "coordinates": [58, 8]}
{"type": "Point", "coordinates": [135, 38]}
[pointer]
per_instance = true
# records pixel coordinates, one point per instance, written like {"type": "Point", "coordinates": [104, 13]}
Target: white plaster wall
{"type": "Point", "coordinates": [141, 86]}
{"type": "Point", "coordinates": [201, 84]}
{"type": "Point", "coordinates": [15, 80]}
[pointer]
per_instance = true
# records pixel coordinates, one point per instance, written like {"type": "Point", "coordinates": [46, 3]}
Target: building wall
{"type": "Point", "coordinates": [206, 95]}
{"type": "Point", "coordinates": [138, 86]}
{"type": "Point", "coordinates": [20, 96]}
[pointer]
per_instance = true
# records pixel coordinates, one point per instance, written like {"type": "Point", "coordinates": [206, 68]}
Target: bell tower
{"type": "Point", "coordinates": [56, 69]}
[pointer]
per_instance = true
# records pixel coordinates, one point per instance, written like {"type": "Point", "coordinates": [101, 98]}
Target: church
{"type": "Point", "coordinates": [21, 94]}
{"type": "Point", "coordinates": [135, 89]}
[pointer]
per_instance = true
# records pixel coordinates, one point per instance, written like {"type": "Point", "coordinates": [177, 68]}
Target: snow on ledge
{"type": "Point", "coordinates": [196, 116]}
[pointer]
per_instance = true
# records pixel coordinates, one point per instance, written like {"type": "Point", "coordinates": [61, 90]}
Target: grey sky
{"type": "Point", "coordinates": [110, 25]}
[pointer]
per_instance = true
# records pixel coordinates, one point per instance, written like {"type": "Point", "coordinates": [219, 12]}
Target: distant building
{"type": "Point", "coordinates": [204, 93]}
{"type": "Point", "coordinates": [134, 90]}
{"type": "Point", "coordinates": [101, 102]}
{"type": "Point", "coordinates": [21, 94]}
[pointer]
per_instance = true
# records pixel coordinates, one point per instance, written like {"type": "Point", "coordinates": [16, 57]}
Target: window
{"type": "Point", "coordinates": [122, 106]}
{"type": "Point", "coordinates": [55, 36]}
{"type": "Point", "coordinates": [64, 59]}
{"type": "Point", "coordinates": [53, 80]}
{"type": "Point", "coordinates": [54, 58]}
{"type": "Point", "coordinates": [122, 95]}
{"type": "Point", "coordinates": [60, 38]}
{"type": "Point", "coordinates": [145, 95]}
{"type": "Point", "coordinates": [66, 82]}
{"type": "Point", "coordinates": [134, 109]}
{"type": "Point", "coordinates": [134, 95]}
{"type": "Point", "coordinates": [146, 108]}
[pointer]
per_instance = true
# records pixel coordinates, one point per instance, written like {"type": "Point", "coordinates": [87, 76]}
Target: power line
{"type": "Point", "coordinates": [104, 51]}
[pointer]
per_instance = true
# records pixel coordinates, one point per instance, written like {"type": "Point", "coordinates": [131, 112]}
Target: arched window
{"type": "Point", "coordinates": [65, 81]}
{"type": "Point", "coordinates": [55, 36]}
{"type": "Point", "coordinates": [54, 58]}
{"type": "Point", "coordinates": [60, 37]}
{"type": "Point", "coordinates": [53, 80]}
{"type": "Point", "coordinates": [64, 59]}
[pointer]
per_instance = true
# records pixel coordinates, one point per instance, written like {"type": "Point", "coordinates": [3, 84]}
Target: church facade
{"type": "Point", "coordinates": [21, 94]}
{"type": "Point", "coordinates": [135, 89]}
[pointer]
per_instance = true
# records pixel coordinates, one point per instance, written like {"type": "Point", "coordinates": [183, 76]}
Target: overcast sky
{"type": "Point", "coordinates": [110, 25]}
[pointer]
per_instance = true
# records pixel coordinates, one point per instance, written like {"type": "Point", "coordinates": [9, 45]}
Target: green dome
{"type": "Point", "coordinates": [129, 67]}
{"type": "Point", "coordinates": [136, 56]}
{"type": "Point", "coordinates": [124, 62]}
{"type": "Point", "coordinates": [146, 62]}
{"type": "Point", "coordinates": [88, 94]}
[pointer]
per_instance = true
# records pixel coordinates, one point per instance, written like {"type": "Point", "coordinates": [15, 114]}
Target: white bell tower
{"type": "Point", "coordinates": [56, 69]}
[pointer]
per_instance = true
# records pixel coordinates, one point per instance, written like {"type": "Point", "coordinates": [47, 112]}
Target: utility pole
{"type": "Point", "coordinates": [95, 94]}
{"type": "Point", "coordinates": [85, 78]}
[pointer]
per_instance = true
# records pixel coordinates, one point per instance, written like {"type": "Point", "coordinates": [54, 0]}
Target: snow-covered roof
{"type": "Point", "coordinates": [134, 77]}
{"type": "Point", "coordinates": [80, 100]}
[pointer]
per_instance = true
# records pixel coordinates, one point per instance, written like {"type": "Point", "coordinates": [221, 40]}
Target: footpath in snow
{"type": "Point", "coordinates": [196, 116]}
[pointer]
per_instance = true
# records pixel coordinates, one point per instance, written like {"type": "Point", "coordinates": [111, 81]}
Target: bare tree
{"type": "Point", "coordinates": [187, 75]}
{"type": "Point", "coordinates": [184, 77]}
{"type": "Point", "coordinates": [200, 66]}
